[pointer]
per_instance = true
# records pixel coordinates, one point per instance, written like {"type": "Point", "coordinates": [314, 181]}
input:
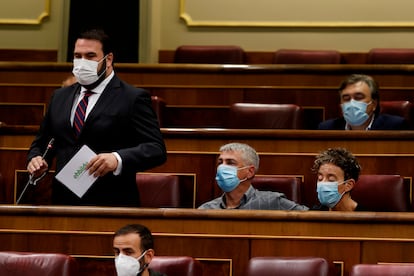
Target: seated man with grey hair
{"type": "Point", "coordinates": [237, 166]}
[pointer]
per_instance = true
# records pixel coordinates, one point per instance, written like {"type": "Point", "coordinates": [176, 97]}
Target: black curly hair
{"type": "Point", "coordinates": [340, 157]}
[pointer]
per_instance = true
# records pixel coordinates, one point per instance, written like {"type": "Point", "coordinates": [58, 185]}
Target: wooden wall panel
{"type": "Point", "coordinates": [194, 95]}
{"type": "Point", "coordinates": [223, 240]}
{"type": "Point", "coordinates": [22, 114]}
{"type": "Point", "coordinates": [28, 55]}
{"type": "Point", "coordinates": [26, 93]}
{"type": "Point", "coordinates": [201, 116]}
{"type": "Point", "coordinates": [387, 251]}
{"type": "Point", "coordinates": [10, 161]}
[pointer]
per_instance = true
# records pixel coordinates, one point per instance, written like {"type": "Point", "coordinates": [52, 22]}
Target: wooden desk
{"type": "Point", "coordinates": [193, 152]}
{"type": "Point", "coordinates": [223, 240]}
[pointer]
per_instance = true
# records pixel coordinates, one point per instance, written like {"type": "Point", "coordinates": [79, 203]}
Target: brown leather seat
{"type": "Point", "coordinates": [391, 56]}
{"type": "Point", "coordinates": [290, 186]}
{"type": "Point", "coordinates": [287, 266]}
{"type": "Point", "coordinates": [382, 269]}
{"type": "Point", "coordinates": [215, 54]}
{"type": "Point", "coordinates": [294, 56]}
{"type": "Point", "coordinates": [159, 190]}
{"type": "Point", "coordinates": [382, 193]}
{"type": "Point", "coordinates": [265, 116]}
{"type": "Point", "coordinates": [399, 108]}
{"type": "Point", "coordinates": [176, 265]}
{"type": "Point", "coordinates": [158, 104]}
{"type": "Point", "coordinates": [37, 264]}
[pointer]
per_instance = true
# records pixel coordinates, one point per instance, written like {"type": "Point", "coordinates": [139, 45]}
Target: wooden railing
{"type": "Point", "coordinates": [267, 57]}
{"type": "Point", "coordinates": [223, 240]}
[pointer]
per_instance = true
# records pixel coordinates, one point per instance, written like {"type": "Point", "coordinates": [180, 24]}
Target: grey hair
{"type": "Point", "coordinates": [249, 154]}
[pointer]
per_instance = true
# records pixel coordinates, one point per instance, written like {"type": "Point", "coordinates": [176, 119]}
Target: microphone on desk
{"type": "Point", "coordinates": [32, 180]}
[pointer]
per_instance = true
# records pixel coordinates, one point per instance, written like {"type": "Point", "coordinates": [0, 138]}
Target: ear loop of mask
{"type": "Point", "coordinates": [103, 70]}
{"type": "Point", "coordinates": [242, 180]}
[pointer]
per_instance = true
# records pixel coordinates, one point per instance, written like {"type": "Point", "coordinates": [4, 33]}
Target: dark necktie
{"type": "Point", "coordinates": [80, 112]}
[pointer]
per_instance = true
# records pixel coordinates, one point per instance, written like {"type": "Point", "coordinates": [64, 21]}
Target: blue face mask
{"type": "Point", "coordinates": [227, 178]}
{"type": "Point", "coordinates": [328, 194]}
{"type": "Point", "coordinates": [355, 112]}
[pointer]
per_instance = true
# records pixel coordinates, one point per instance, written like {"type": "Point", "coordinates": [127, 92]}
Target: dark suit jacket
{"type": "Point", "coordinates": [381, 122]}
{"type": "Point", "coordinates": [123, 121]}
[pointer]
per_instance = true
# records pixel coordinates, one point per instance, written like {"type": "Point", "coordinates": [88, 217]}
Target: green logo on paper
{"type": "Point", "coordinates": [80, 171]}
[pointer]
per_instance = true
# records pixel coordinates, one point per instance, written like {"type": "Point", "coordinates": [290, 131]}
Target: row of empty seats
{"type": "Point", "coordinates": [240, 115]}
{"type": "Point", "coordinates": [280, 116]}
{"type": "Point", "coordinates": [231, 54]}
{"type": "Point", "coordinates": [381, 193]}
{"type": "Point", "coordinates": [315, 266]}
{"type": "Point", "coordinates": [290, 116]}
{"type": "Point", "coordinates": [56, 264]}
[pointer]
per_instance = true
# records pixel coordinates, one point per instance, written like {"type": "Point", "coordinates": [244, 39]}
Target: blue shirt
{"type": "Point", "coordinates": [257, 200]}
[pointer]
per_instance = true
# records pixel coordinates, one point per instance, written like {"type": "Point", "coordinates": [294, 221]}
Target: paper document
{"type": "Point", "coordinates": [74, 176]}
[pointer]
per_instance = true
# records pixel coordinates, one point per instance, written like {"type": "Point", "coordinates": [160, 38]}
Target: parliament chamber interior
{"type": "Point", "coordinates": [201, 107]}
{"type": "Point", "coordinates": [264, 73]}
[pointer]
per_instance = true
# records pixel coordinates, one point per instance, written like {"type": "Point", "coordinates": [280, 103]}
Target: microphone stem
{"type": "Point", "coordinates": [31, 181]}
{"type": "Point", "coordinates": [25, 188]}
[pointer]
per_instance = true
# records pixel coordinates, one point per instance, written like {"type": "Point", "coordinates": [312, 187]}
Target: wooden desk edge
{"type": "Point", "coordinates": [252, 133]}
{"type": "Point", "coordinates": [170, 213]}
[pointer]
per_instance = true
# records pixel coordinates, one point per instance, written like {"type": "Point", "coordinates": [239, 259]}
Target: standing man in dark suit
{"type": "Point", "coordinates": [120, 126]}
{"type": "Point", "coordinates": [360, 105]}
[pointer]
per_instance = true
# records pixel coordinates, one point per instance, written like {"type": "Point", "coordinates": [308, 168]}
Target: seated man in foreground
{"type": "Point", "coordinates": [238, 164]}
{"type": "Point", "coordinates": [134, 249]}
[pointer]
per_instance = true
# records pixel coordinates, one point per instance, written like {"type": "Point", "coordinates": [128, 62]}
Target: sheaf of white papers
{"type": "Point", "coordinates": [74, 176]}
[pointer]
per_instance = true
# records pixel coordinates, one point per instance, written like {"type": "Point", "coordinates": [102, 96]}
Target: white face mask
{"type": "Point", "coordinates": [127, 265]}
{"type": "Point", "coordinates": [86, 71]}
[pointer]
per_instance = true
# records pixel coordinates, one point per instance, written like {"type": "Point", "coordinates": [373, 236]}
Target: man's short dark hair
{"type": "Point", "coordinates": [147, 241]}
{"type": "Point", "coordinates": [339, 157]}
{"type": "Point", "coordinates": [99, 35]}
